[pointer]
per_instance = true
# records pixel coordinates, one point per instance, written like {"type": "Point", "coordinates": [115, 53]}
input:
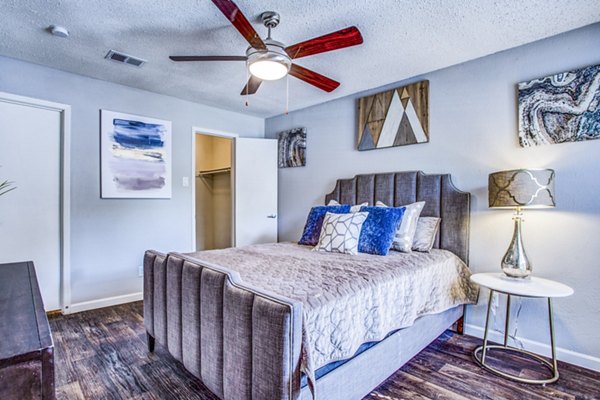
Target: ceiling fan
{"type": "Point", "coordinates": [269, 59]}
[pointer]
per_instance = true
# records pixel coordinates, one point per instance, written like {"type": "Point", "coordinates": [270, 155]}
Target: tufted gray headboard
{"type": "Point", "coordinates": [441, 198]}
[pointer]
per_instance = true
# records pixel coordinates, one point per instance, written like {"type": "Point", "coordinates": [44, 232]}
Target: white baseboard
{"type": "Point", "coordinates": [569, 356]}
{"type": "Point", "coordinates": [101, 303]}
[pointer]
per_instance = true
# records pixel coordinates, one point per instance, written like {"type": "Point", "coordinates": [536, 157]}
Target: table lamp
{"type": "Point", "coordinates": [520, 189]}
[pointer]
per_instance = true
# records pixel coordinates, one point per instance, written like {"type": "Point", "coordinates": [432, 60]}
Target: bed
{"type": "Point", "coordinates": [251, 325]}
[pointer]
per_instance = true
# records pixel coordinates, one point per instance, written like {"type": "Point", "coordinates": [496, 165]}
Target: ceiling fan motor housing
{"type": "Point", "coordinates": [270, 19]}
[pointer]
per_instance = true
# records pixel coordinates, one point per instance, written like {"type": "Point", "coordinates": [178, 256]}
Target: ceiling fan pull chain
{"type": "Point", "coordinates": [247, 85]}
{"type": "Point", "coordinates": [287, 93]}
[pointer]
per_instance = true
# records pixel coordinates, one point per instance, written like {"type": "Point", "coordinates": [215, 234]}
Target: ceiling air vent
{"type": "Point", "coordinates": [124, 58]}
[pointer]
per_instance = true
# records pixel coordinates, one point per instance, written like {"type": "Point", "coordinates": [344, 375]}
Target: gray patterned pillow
{"type": "Point", "coordinates": [427, 228]}
{"type": "Point", "coordinates": [340, 232]}
{"type": "Point", "coordinates": [405, 234]}
{"type": "Point", "coordinates": [354, 208]}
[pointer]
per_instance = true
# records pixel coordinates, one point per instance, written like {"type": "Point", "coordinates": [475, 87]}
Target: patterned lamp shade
{"type": "Point", "coordinates": [522, 188]}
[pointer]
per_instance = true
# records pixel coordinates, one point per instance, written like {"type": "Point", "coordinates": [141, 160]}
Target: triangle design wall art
{"type": "Point", "coordinates": [395, 117]}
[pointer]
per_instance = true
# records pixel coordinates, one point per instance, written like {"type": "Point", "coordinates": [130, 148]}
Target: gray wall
{"type": "Point", "coordinates": [109, 236]}
{"type": "Point", "coordinates": [473, 130]}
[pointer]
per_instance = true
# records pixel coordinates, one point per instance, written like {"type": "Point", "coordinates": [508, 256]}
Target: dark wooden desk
{"type": "Point", "coordinates": [26, 347]}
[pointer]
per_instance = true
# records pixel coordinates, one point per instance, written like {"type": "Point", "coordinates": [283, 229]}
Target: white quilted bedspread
{"type": "Point", "coordinates": [350, 299]}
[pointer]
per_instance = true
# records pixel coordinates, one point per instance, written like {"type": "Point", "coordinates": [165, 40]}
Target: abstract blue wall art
{"type": "Point", "coordinates": [560, 108]}
{"type": "Point", "coordinates": [135, 156]}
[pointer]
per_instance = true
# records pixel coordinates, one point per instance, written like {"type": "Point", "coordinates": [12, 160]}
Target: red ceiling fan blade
{"type": "Point", "coordinates": [208, 58]}
{"type": "Point", "coordinates": [235, 16]}
{"type": "Point", "coordinates": [252, 85]}
{"type": "Point", "coordinates": [315, 79]}
{"type": "Point", "coordinates": [337, 40]}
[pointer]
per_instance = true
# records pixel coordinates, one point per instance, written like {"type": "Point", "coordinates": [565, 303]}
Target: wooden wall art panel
{"type": "Point", "coordinates": [395, 117]}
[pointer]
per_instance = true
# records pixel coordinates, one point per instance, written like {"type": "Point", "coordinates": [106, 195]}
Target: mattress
{"type": "Point", "coordinates": [349, 300]}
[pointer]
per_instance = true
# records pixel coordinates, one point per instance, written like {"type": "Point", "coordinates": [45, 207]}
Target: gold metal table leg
{"type": "Point", "coordinates": [480, 352]}
{"type": "Point", "coordinates": [506, 327]}
{"type": "Point", "coordinates": [552, 344]}
{"type": "Point", "coordinates": [487, 322]}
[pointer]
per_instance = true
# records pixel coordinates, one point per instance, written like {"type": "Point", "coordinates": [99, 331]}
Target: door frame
{"type": "Point", "coordinates": [223, 134]}
{"type": "Point", "coordinates": [65, 190]}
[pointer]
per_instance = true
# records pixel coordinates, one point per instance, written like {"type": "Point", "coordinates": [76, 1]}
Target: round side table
{"type": "Point", "coordinates": [532, 287]}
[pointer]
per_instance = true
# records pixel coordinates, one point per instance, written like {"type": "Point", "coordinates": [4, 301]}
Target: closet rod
{"type": "Point", "coordinates": [212, 172]}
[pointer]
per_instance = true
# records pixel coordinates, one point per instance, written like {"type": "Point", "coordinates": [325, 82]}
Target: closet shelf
{"type": "Point", "coordinates": [209, 172]}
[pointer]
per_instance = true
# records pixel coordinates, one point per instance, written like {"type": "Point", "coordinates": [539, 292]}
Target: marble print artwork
{"type": "Point", "coordinates": [135, 156]}
{"type": "Point", "coordinates": [560, 108]}
{"type": "Point", "coordinates": [292, 148]}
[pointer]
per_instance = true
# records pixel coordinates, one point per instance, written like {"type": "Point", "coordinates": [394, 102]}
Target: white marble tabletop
{"type": "Point", "coordinates": [528, 287]}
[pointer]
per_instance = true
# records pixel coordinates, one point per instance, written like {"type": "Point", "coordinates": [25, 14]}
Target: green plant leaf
{"type": "Point", "coordinates": [5, 187]}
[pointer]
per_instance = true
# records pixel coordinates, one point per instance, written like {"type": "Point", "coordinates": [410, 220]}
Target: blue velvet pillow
{"type": "Point", "coordinates": [314, 222]}
{"type": "Point", "coordinates": [379, 229]}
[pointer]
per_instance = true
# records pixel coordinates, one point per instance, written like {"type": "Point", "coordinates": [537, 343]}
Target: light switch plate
{"type": "Point", "coordinates": [185, 181]}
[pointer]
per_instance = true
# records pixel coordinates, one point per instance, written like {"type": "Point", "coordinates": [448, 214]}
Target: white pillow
{"type": "Point", "coordinates": [403, 241]}
{"type": "Point", "coordinates": [340, 232]}
{"type": "Point", "coordinates": [427, 228]}
{"type": "Point", "coordinates": [353, 209]}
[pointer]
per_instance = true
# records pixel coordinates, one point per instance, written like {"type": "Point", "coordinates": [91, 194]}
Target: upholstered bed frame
{"type": "Point", "coordinates": [244, 343]}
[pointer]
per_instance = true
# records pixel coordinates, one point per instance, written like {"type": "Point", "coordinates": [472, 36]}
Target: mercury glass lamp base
{"type": "Point", "coordinates": [515, 263]}
{"type": "Point", "coordinates": [516, 273]}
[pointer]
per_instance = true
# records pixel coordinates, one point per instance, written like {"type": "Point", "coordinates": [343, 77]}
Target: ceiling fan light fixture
{"type": "Point", "coordinates": [269, 65]}
{"type": "Point", "coordinates": [268, 70]}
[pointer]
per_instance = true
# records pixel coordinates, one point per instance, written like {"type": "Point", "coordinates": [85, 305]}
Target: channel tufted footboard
{"type": "Point", "coordinates": [241, 342]}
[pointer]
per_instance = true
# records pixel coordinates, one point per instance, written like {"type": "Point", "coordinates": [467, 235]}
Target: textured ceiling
{"type": "Point", "coordinates": [402, 38]}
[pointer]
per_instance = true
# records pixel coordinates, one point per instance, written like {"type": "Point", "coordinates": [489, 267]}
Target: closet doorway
{"type": "Point", "coordinates": [234, 190]}
{"type": "Point", "coordinates": [214, 192]}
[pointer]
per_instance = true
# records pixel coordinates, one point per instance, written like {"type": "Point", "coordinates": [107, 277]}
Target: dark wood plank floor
{"type": "Point", "coordinates": [102, 354]}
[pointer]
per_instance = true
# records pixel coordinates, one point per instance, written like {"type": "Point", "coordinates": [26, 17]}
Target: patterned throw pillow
{"type": "Point", "coordinates": [314, 222]}
{"type": "Point", "coordinates": [354, 208]}
{"type": "Point", "coordinates": [427, 228]}
{"type": "Point", "coordinates": [379, 229]}
{"type": "Point", "coordinates": [340, 232]}
{"type": "Point", "coordinates": [406, 231]}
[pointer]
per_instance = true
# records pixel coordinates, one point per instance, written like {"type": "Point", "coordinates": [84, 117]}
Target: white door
{"type": "Point", "coordinates": [30, 155]}
{"type": "Point", "coordinates": [255, 191]}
